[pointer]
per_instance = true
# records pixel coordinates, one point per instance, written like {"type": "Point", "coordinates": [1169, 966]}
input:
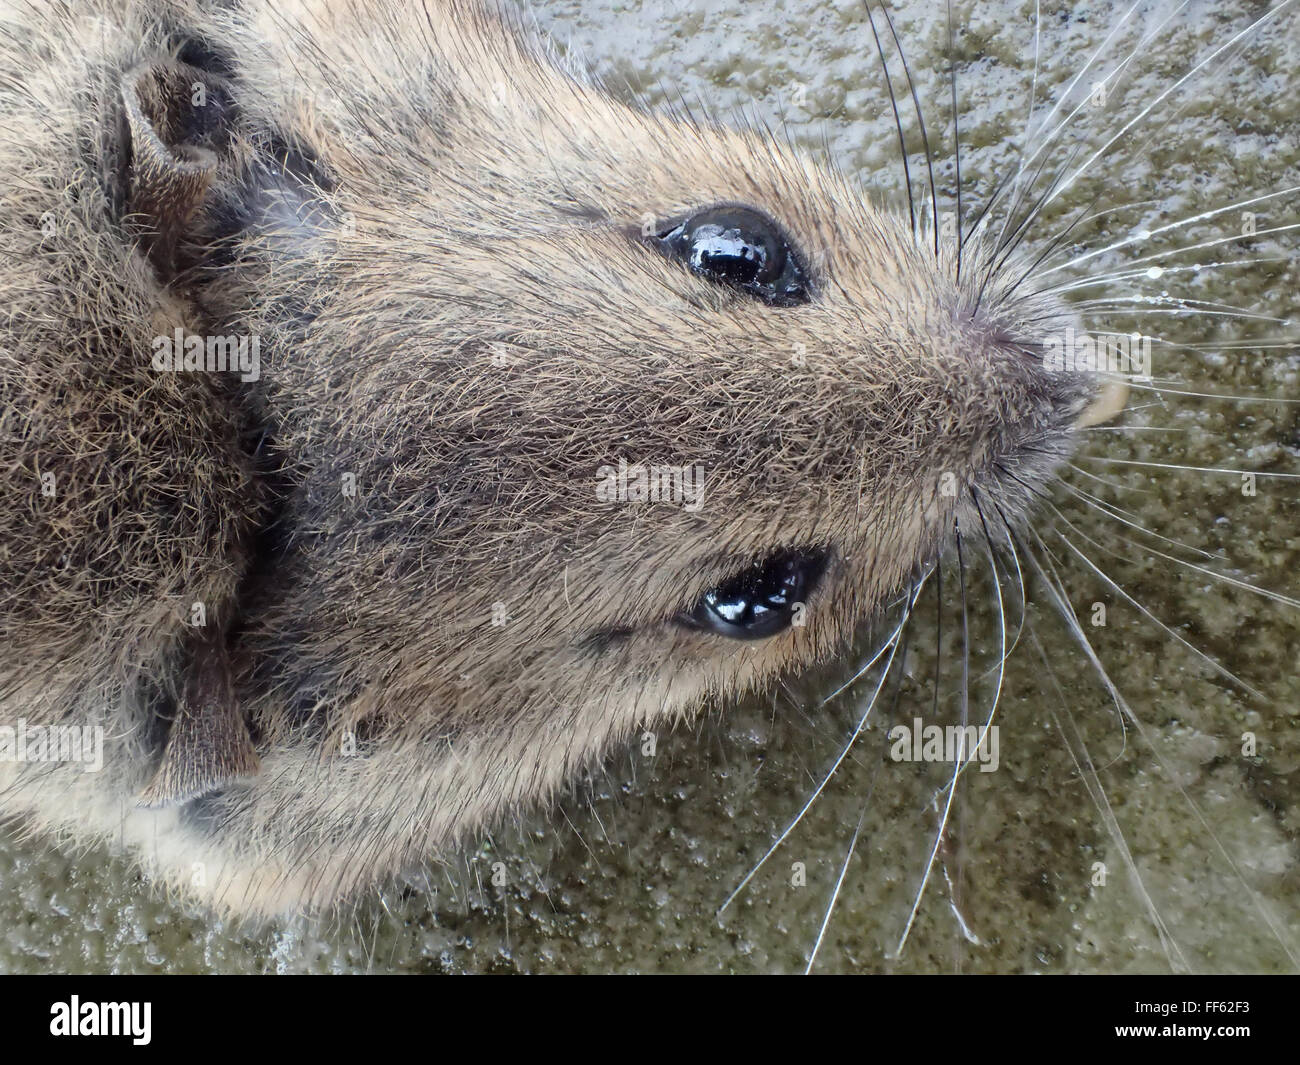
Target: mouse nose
{"type": "Point", "coordinates": [1098, 369]}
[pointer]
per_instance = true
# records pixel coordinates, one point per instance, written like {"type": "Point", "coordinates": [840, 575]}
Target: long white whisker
{"type": "Point", "coordinates": [1088, 774]}
{"type": "Point", "coordinates": [1152, 386]}
{"type": "Point", "coordinates": [1216, 242]}
{"type": "Point", "coordinates": [883, 647]}
{"type": "Point", "coordinates": [1145, 235]}
{"type": "Point", "coordinates": [1029, 118]}
{"type": "Point", "coordinates": [1229, 345]}
{"type": "Point", "coordinates": [960, 762]}
{"type": "Point", "coordinates": [1267, 17]}
{"type": "Point", "coordinates": [1038, 208]}
{"type": "Point", "coordinates": [821, 933]}
{"type": "Point", "coordinates": [1065, 94]}
{"type": "Point", "coordinates": [1175, 306]}
{"type": "Point", "coordinates": [1134, 429]}
{"type": "Point", "coordinates": [1081, 638]}
{"type": "Point", "coordinates": [1212, 663]}
{"type": "Point", "coordinates": [1236, 582]}
{"type": "Point", "coordinates": [1098, 280]}
{"type": "Point", "coordinates": [1080, 223]}
{"type": "Point", "coordinates": [1109, 484]}
{"type": "Point", "coordinates": [1191, 469]}
{"type": "Point", "coordinates": [1119, 514]}
{"type": "Point", "coordinates": [892, 644]}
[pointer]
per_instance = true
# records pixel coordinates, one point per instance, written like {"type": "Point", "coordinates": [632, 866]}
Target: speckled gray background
{"type": "Point", "coordinates": [628, 874]}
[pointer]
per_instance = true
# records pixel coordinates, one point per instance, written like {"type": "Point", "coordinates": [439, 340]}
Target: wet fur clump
{"type": "Point", "coordinates": [350, 609]}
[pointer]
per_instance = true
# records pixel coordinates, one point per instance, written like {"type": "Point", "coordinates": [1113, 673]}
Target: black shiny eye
{"type": "Point", "coordinates": [738, 246]}
{"type": "Point", "coordinates": [761, 600]}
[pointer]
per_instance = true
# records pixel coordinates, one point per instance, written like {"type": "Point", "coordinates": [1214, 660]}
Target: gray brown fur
{"type": "Point", "coordinates": [426, 222]}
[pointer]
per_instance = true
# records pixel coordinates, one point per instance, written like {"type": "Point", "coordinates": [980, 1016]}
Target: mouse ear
{"type": "Point", "coordinates": [209, 746]}
{"type": "Point", "coordinates": [177, 121]}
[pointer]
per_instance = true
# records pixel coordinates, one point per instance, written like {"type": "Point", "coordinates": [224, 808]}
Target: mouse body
{"type": "Point", "coordinates": [400, 422]}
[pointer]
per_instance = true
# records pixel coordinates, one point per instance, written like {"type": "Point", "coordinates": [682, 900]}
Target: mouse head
{"type": "Point", "coordinates": [582, 414]}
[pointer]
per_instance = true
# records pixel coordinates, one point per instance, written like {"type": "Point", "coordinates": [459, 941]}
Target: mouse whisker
{"type": "Point", "coordinates": [1151, 386]}
{"type": "Point", "coordinates": [892, 645]}
{"type": "Point", "coordinates": [1024, 138]}
{"type": "Point", "coordinates": [1145, 235]}
{"type": "Point", "coordinates": [1153, 104]}
{"type": "Point", "coordinates": [898, 123]}
{"type": "Point", "coordinates": [1189, 469]}
{"type": "Point", "coordinates": [1124, 517]}
{"type": "Point", "coordinates": [839, 883]}
{"type": "Point", "coordinates": [1098, 280]}
{"type": "Point", "coordinates": [1060, 599]}
{"type": "Point", "coordinates": [963, 757]}
{"type": "Point", "coordinates": [1209, 660]}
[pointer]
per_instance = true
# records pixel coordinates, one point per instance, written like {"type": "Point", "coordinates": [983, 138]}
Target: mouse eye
{"type": "Point", "coordinates": [738, 246]}
{"type": "Point", "coordinates": [761, 600]}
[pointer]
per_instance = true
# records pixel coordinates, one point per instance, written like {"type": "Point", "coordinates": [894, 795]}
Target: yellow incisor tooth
{"type": "Point", "coordinates": [1110, 400]}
